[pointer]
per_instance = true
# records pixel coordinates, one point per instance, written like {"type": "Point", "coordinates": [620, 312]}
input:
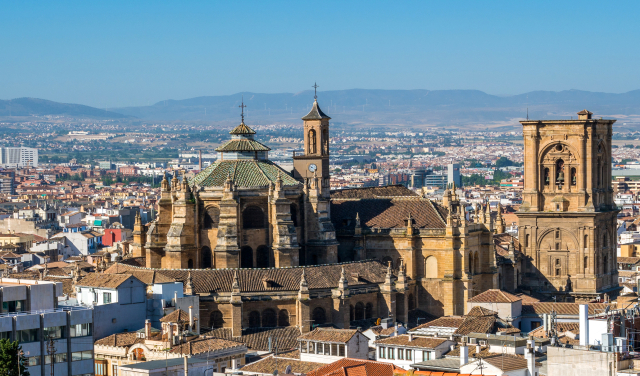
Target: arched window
{"type": "Point", "coordinates": [526, 241]}
{"type": "Point", "coordinates": [586, 241]}
{"type": "Point", "coordinates": [599, 173]}
{"type": "Point", "coordinates": [359, 311]}
{"type": "Point", "coordinates": [431, 267]}
{"type": "Point", "coordinates": [262, 256]}
{"type": "Point", "coordinates": [558, 267]}
{"type": "Point", "coordinates": [312, 141]}
{"type": "Point", "coordinates": [211, 217]}
{"type": "Point", "coordinates": [216, 319]}
{"type": "Point", "coordinates": [207, 257]}
{"type": "Point", "coordinates": [605, 264]}
{"type": "Point", "coordinates": [605, 240]}
{"type": "Point", "coordinates": [294, 214]}
{"type": "Point", "coordinates": [560, 178]}
{"type": "Point", "coordinates": [190, 264]}
{"type": "Point", "coordinates": [352, 313]}
{"type": "Point", "coordinates": [318, 316]}
{"type": "Point", "coordinates": [269, 318]}
{"type": "Point", "coordinates": [471, 271]}
{"type": "Point", "coordinates": [253, 217]}
{"type": "Point", "coordinates": [586, 263]}
{"type": "Point", "coordinates": [412, 302]}
{"type": "Point", "coordinates": [254, 319]}
{"type": "Point", "coordinates": [368, 311]}
{"type": "Point", "coordinates": [387, 261]}
{"type": "Point", "coordinates": [325, 142]}
{"type": "Point", "coordinates": [574, 176]}
{"type": "Point", "coordinates": [246, 257]}
{"type": "Point", "coordinates": [283, 318]}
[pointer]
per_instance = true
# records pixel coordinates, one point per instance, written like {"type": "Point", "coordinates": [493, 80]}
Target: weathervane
{"type": "Point", "coordinates": [242, 106]}
{"type": "Point", "coordinates": [315, 90]}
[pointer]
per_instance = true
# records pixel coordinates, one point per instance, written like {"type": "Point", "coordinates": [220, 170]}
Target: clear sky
{"type": "Point", "coordinates": [112, 53]}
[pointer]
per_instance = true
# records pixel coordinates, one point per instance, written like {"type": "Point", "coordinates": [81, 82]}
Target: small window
{"type": "Point", "coordinates": [33, 361]}
{"type": "Point", "coordinates": [81, 330]}
{"type": "Point", "coordinates": [106, 297]}
{"type": "Point", "coordinates": [340, 350]}
{"type": "Point", "coordinates": [54, 332]}
{"type": "Point", "coordinates": [391, 353]}
{"type": "Point", "coordinates": [400, 354]}
{"type": "Point", "coordinates": [381, 355]}
{"type": "Point", "coordinates": [408, 353]}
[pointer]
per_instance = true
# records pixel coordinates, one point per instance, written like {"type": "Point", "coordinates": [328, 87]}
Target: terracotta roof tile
{"type": "Point", "coordinates": [258, 339]}
{"type": "Point", "coordinates": [484, 324]}
{"type": "Point", "coordinates": [447, 322]}
{"type": "Point", "coordinates": [329, 335]}
{"type": "Point", "coordinates": [481, 311]}
{"type": "Point", "coordinates": [629, 260]}
{"type": "Point", "coordinates": [494, 296]}
{"type": "Point", "coordinates": [561, 327]}
{"type": "Point", "coordinates": [508, 362]}
{"type": "Point", "coordinates": [561, 308]}
{"type": "Point", "coordinates": [269, 364]}
{"type": "Point", "coordinates": [386, 213]}
{"type": "Point", "coordinates": [120, 340]}
{"type": "Point", "coordinates": [104, 280]}
{"type": "Point", "coordinates": [373, 368]}
{"type": "Point", "coordinates": [199, 346]}
{"type": "Point", "coordinates": [283, 279]}
{"type": "Point", "coordinates": [176, 316]}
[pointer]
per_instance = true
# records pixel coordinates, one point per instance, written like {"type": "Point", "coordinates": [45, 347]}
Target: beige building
{"type": "Point", "coordinates": [567, 221]}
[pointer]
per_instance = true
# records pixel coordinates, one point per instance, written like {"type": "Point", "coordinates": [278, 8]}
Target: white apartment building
{"type": "Point", "coordinates": [30, 315]}
{"type": "Point", "coordinates": [18, 157]}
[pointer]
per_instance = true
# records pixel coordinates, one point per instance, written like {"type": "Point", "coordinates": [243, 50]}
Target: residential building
{"type": "Point", "coordinates": [404, 350]}
{"type": "Point", "coordinates": [30, 315]}
{"type": "Point", "coordinates": [326, 345]}
{"type": "Point", "coordinates": [18, 157]}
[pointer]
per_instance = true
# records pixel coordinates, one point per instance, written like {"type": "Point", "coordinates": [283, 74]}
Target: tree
{"type": "Point", "coordinates": [504, 162]}
{"type": "Point", "coordinates": [9, 359]}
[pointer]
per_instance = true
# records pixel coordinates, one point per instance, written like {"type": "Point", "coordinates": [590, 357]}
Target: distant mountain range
{"type": "Point", "coordinates": [361, 107]}
{"type": "Point", "coordinates": [43, 107]}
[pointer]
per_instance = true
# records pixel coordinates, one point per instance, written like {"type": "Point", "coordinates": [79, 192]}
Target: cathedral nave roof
{"type": "Point", "coordinates": [244, 173]}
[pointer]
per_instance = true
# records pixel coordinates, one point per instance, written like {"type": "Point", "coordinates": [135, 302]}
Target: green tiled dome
{"type": "Point", "coordinates": [245, 173]}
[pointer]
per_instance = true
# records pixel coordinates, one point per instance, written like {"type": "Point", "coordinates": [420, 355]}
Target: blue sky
{"type": "Point", "coordinates": [111, 53]}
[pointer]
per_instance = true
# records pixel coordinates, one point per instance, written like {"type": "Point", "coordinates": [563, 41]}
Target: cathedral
{"type": "Point", "coordinates": [263, 247]}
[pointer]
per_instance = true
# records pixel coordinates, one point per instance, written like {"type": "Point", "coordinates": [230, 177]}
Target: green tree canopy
{"type": "Point", "coordinates": [9, 359]}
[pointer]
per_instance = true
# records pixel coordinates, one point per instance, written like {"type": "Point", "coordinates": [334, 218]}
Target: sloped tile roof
{"type": "Point", "coordinates": [386, 213]}
{"type": "Point", "coordinates": [270, 364]}
{"type": "Point", "coordinates": [447, 322]}
{"type": "Point", "coordinates": [199, 346]}
{"type": "Point", "coordinates": [329, 335]}
{"type": "Point", "coordinates": [148, 277]}
{"type": "Point", "coordinates": [561, 327]}
{"type": "Point", "coordinates": [629, 260]}
{"type": "Point", "coordinates": [484, 324]}
{"type": "Point", "coordinates": [242, 129]}
{"type": "Point", "coordinates": [244, 173]}
{"type": "Point", "coordinates": [481, 311]}
{"type": "Point", "coordinates": [242, 145]}
{"type": "Point", "coordinates": [258, 339]}
{"type": "Point", "coordinates": [421, 342]}
{"type": "Point", "coordinates": [315, 113]}
{"type": "Point", "coordinates": [120, 340]}
{"type": "Point", "coordinates": [397, 190]}
{"type": "Point", "coordinates": [282, 279]}
{"type": "Point", "coordinates": [508, 362]}
{"type": "Point", "coordinates": [104, 280]}
{"type": "Point", "coordinates": [373, 368]}
{"type": "Point", "coordinates": [561, 308]}
{"type": "Point", "coordinates": [494, 296]}
{"type": "Point", "coordinates": [176, 316]}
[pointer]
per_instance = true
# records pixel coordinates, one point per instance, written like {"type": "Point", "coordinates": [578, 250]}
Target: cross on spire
{"type": "Point", "coordinates": [242, 106]}
{"type": "Point", "coordinates": [315, 90]}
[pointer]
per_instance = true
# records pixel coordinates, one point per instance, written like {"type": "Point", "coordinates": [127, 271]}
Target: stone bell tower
{"type": "Point", "coordinates": [315, 161]}
{"type": "Point", "coordinates": [567, 221]}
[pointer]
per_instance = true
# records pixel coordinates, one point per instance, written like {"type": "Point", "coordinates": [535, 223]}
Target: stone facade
{"type": "Point", "coordinates": [567, 222]}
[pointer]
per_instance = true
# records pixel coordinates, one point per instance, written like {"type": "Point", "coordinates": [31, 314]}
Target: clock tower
{"type": "Point", "coordinates": [315, 160]}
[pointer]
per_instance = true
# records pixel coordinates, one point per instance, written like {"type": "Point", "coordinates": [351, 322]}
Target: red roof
{"type": "Point", "coordinates": [357, 367]}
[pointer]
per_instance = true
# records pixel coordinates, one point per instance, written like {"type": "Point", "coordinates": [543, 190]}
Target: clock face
{"type": "Point", "coordinates": [313, 167]}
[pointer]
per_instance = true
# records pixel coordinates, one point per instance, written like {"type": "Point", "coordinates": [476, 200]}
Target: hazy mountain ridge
{"type": "Point", "coordinates": [359, 107]}
{"type": "Point", "coordinates": [43, 107]}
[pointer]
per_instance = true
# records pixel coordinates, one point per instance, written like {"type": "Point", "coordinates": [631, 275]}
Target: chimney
{"type": "Point", "coordinates": [410, 337]}
{"type": "Point", "coordinates": [530, 355]}
{"type": "Point", "coordinates": [175, 298]}
{"type": "Point", "coordinates": [464, 354]}
{"type": "Point", "coordinates": [147, 329]}
{"type": "Point", "coordinates": [190, 317]}
{"type": "Point", "coordinates": [478, 349]}
{"type": "Point", "coordinates": [583, 310]}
